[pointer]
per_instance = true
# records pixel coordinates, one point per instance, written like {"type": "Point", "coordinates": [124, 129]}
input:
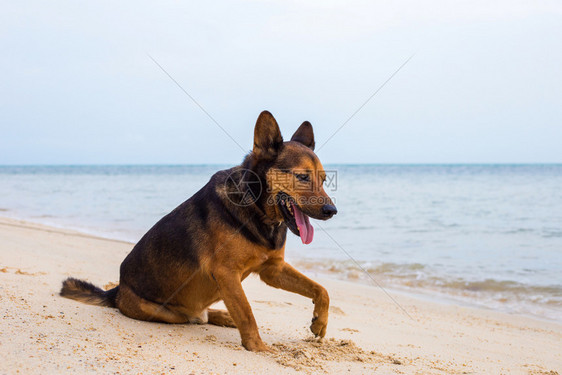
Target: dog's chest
{"type": "Point", "coordinates": [259, 257]}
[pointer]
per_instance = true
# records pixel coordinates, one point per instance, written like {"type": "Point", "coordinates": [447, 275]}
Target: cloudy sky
{"type": "Point", "coordinates": [78, 87]}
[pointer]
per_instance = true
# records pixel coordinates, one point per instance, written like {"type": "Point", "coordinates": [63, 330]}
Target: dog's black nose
{"type": "Point", "coordinates": [329, 210]}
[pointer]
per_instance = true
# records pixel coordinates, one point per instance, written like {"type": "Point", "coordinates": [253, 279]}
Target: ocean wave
{"type": "Point", "coordinates": [508, 295]}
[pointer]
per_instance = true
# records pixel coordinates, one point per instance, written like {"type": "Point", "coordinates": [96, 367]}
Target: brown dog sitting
{"type": "Point", "coordinates": [236, 224]}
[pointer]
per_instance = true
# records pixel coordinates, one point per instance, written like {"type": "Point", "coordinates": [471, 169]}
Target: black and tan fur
{"type": "Point", "coordinates": [200, 252]}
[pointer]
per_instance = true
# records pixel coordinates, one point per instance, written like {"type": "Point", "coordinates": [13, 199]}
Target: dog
{"type": "Point", "coordinates": [235, 225]}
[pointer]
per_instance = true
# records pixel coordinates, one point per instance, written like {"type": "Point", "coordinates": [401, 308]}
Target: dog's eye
{"type": "Point", "coordinates": [303, 177]}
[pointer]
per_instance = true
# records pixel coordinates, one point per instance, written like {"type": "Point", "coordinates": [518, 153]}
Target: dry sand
{"type": "Point", "coordinates": [42, 333]}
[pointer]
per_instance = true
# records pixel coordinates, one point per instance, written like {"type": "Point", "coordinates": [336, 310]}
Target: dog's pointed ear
{"type": "Point", "coordinates": [304, 135]}
{"type": "Point", "coordinates": [267, 137]}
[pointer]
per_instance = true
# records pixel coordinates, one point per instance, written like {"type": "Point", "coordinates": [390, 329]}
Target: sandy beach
{"type": "Point", "coordinates": [42, 333]}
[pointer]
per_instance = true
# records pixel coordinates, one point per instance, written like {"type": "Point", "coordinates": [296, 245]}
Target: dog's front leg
{"type": "Point", "coordinates": [230, 287]}
{"type": "Point", "coordinates": [282, 275]}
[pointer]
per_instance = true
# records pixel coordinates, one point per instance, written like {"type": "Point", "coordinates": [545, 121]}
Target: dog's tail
{"type": "Point", "coordinates": [86, 292]}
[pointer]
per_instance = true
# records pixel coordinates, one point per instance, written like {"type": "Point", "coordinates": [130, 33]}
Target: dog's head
{"type": "Point", "coordinates": [293, 174]}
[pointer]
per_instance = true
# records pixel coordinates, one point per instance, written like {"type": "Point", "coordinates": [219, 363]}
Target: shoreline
{"type": "Point", "coordinates": [304, 264]}
{"type": "Point", "coordinates": [367, 333]}
{"type": "Point", "coordinates": [427, 294]}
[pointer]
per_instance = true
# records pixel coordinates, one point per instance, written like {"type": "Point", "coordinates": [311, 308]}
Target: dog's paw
{"type": "Point", "coordinates": [319, 326]}
{"type": "Point", "coordinates": [228, 322]}
{"type": "Point", "coordinates": [256, 346]}
{"type": "Point", "coordinates": [221, 318]}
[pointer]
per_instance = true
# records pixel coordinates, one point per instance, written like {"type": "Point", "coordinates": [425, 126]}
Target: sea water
{"type": "Point", "coordinates": [489, 235]}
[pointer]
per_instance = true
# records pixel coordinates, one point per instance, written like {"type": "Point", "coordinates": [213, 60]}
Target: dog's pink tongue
{"type": "Point", "coordinates": [306, 230]}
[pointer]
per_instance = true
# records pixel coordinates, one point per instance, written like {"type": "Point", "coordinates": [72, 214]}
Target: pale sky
{"type": "Point", "coordinates": [77, 85]}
